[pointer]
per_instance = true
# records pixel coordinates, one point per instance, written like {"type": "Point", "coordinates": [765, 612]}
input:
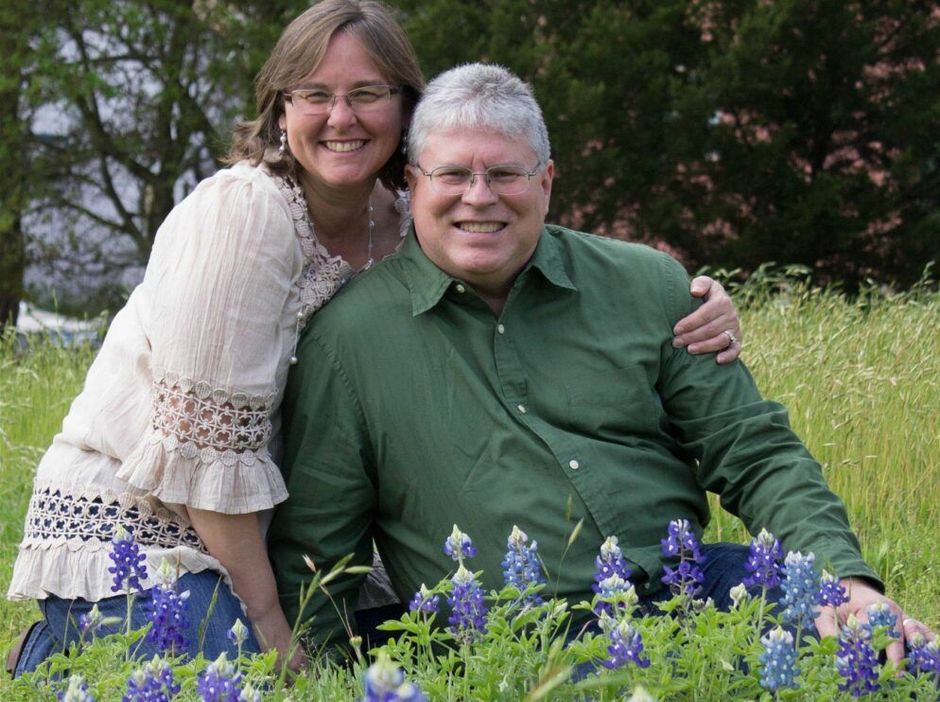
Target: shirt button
{"type": "Point", "coordinates": [522, 409]}
{"type": "Point", "coordinates": [500, 328]}
{"type": "Point", "coordinates": [573, 464]}
{"type": "Point", "coordinates": [460, 288]}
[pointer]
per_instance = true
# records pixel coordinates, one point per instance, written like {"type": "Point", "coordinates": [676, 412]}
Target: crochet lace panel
{"type": "Point", "coordinates": [209, 421]}
{"type": "Point", "coordinates": [55, 517]}
{"type": "Point", "coordinates": [322, 274]}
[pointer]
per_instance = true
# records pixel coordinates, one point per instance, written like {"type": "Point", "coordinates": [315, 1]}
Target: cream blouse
{"type": "Point", "coordinates": [180, 407]}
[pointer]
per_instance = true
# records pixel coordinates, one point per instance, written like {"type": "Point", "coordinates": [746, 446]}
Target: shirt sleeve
{"type": "Point", "coordinates": [216, 288]}
{"type": "Point", "coordinates": [330, 475]}
{"type": "Point", "coordinates": [748, 454]}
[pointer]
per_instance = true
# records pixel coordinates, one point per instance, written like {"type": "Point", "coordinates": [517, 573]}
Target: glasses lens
{"type": "Point", "coordinates": [508, 180]}
{"type": "Point", "coordinates": [371, 96]}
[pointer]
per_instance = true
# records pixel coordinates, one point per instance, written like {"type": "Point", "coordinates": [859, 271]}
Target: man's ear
{"type": "Point", "coordinates": [411, 176]}
{"type": "Point", "coordinates": [546, 183]}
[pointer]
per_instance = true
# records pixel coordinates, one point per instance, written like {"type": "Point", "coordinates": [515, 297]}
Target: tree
{"type": "Point", "coordinates": [139, 106]}
{"type": "Point", "coordinates": [732, 131]}
{"type": "Point", "coordinates": [18, 21]}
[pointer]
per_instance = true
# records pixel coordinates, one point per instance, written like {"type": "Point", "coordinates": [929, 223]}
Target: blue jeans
{"type": "Point", "coordinates": [723, 569]}
{"type": "Point", "coordinates": [209, 621]}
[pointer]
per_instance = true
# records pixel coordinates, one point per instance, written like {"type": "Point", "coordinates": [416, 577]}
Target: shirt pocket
{"type": "Point", "coordinates": [615, 404]}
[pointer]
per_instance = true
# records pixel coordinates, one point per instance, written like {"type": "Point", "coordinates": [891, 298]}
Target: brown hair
{"type": "Point", "coordinates": [300, 50]}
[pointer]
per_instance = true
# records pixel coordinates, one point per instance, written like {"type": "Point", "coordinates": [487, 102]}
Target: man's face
{"type": "Point", "coordinates": [477, 235]}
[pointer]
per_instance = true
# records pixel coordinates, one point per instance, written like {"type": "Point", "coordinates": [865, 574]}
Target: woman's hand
{"type": "Point", "coordinates": [236, 541]}
{"type": "Point", "coordinates": [713, 327]}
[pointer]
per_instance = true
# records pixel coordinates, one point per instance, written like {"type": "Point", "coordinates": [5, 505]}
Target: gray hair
{"type": "Point", "coordinates": [479, 96]}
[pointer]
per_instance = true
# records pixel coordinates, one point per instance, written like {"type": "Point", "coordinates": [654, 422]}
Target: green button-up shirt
{"type": "Point", "coordinates": [414, 408]}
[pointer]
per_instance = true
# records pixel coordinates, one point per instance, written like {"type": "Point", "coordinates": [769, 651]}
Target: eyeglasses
{"type": "Point", "coordinates": [312, 101]}
{"type": "Point", "coordinates": [502, 180]}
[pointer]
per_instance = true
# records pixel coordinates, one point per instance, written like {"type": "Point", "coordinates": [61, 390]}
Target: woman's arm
{"type": "Point", "coordinates": [713, 327]}
{"type": "Point", "coordinates": [235, 540]}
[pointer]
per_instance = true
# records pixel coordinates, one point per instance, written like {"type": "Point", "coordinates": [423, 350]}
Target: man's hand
{"type": "Point", "coordinates": [712, 327]}
{"type": "Point", "coordinates": [861, 597]}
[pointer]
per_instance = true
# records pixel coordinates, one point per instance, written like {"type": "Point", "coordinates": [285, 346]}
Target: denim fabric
{"type": "Point", "coordinates": [211, 609]}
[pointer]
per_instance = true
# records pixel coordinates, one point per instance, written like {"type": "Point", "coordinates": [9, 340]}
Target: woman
{"type": "Point", "coordinates": [175, 435]}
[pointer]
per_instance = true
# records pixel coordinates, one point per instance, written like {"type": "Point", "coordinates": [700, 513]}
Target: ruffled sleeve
{"type": "Point", "coordinates": [214, 306]}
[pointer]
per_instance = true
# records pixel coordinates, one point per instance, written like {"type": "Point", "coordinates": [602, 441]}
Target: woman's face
{"type": "Point", "coordinates": [343, 147]}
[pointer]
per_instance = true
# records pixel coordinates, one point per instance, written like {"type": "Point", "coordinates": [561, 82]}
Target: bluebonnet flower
{"type": "Point", "coordinates": [91, 622]}
{"type": "Point", "coordinates": [129, 563]}
{"type": "Point", "coordinates": [763, 561]}
{"type": "Point", "coordinates": [609, 562]}
{"type": "Point", "coordinates": [168, 612]}
{"type": "Point", "coordinates": [459, 546]}
{"type": "Point", "coordinates": [152, 683]}
{"type": "Point", "coordinates": [77, 691]}
{"type": "Point", "coordinates": [681, 541]}
{"type": "Point", "coordinates": [238, 634]}
{"type": "Point", "coordinates": [739, 594]}
{"type": "Point", "coordinates": [924, 656]}
{"type": "Point", "coordinates": [385, 682]}
{"type": "Point", "coordinates": [626, 644]}
{"type": "Point", "coordinates": [424, 601]}
{"type": "Point", "coordinates": [800, 589]}
{"type": "Point", "coordinates": [521, 567]}
{"type": "Point", "coordinates": [219, 682]}
{"type": "Point", "coordinates": [614, 595]}
{"type": "Point", "coordinates": [880, 614]}
{"type": "Point", "coordinates": [778, 661]}
{"type": "Point", "coordinates": [468, 611]}
{"type": "Point", "coordinates": [831, 591]}
{"type": "Point", "coordinates": [856, 660]}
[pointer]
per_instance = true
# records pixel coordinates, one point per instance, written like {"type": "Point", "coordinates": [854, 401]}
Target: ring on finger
{"type": "Point", "coordinates": [732, 339]}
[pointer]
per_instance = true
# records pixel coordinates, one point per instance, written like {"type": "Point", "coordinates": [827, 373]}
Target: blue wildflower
{"type": "Point", "coordinates": [129, 563]}
{"type": "Point", "coordinates": [77, 691]}
{"type": "Point", "coordinates": [468, 611]}
{"type": "Point", "coordinates": [219, 682]}
{"type": "Point", "coordinates": [856, 660]}
{"type": "Point", "coordinates": [424, 601]}
{"type": "Point", "coordinates": [778, 661]}
{"type": "Point", "coordinates": [168, 612]}
{"type": "Point", "coordinates": [238, 634]}
{"type": "Point", "coordinates": [681, 541]}
{"type": "Point", "coordinates": [91, 622]}
{"type": "Point", "coordinates": [609, 562]}
{"type": "Point", "coordinates": [924, 657]}
{"type": "Point", "coordinates": [880, 614]}
{"type": "Point", "coordinates": [626, 644]}
{"type": "Point", "coordinates": [385, 682]}
{"type": "Point", "coordinates": [521, 567]}
{"type": "Point", "coordinates": [459, 546]}
{"type": "Point", "coordinates": [831, 591]}
{"type": "Point", "coordinates": [152, 683]}
{"type": "Point", "coordinates": [800, 589]}
{"type": "Point", "coordinates": [763, 561]}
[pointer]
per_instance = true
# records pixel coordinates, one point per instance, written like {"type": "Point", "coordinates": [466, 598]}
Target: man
{"type": "Point", "coordinates": [498, 371]}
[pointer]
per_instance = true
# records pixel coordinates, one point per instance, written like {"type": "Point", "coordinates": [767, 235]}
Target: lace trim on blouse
{"type": "Point", "coordinates": [89, 521]}
{"type": "Point", "coordinates": [209, 423]}
{"type": "Point", "coordinates": [323, 274]}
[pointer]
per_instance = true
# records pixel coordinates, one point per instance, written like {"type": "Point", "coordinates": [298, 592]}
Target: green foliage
{"type": "Point", "coordinates": [734, 131]}
{"type": "Point", "coordinates": [861, 377]}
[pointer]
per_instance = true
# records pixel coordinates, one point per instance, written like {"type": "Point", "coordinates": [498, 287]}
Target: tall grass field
{"type": "Point", "coordinates": [861, 379]}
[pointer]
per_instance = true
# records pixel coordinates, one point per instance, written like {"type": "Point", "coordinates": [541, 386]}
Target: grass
{"type": "Point", "coordinates": [861, 379]}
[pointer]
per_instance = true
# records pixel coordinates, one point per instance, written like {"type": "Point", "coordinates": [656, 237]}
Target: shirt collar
{"type": "Point", "coordinates": [428, 283]}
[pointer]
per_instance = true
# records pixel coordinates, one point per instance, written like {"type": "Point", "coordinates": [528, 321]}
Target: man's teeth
{"type": "Point", "coordinates": [343, 146]}
{"type": "Point", "coordinates": [481, 227]}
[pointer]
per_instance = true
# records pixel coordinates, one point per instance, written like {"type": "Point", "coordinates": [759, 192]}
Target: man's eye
{"type": "Point", "coordinates": [452, 176]}
{"type": "Point", "coordinates": [505, 175]}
